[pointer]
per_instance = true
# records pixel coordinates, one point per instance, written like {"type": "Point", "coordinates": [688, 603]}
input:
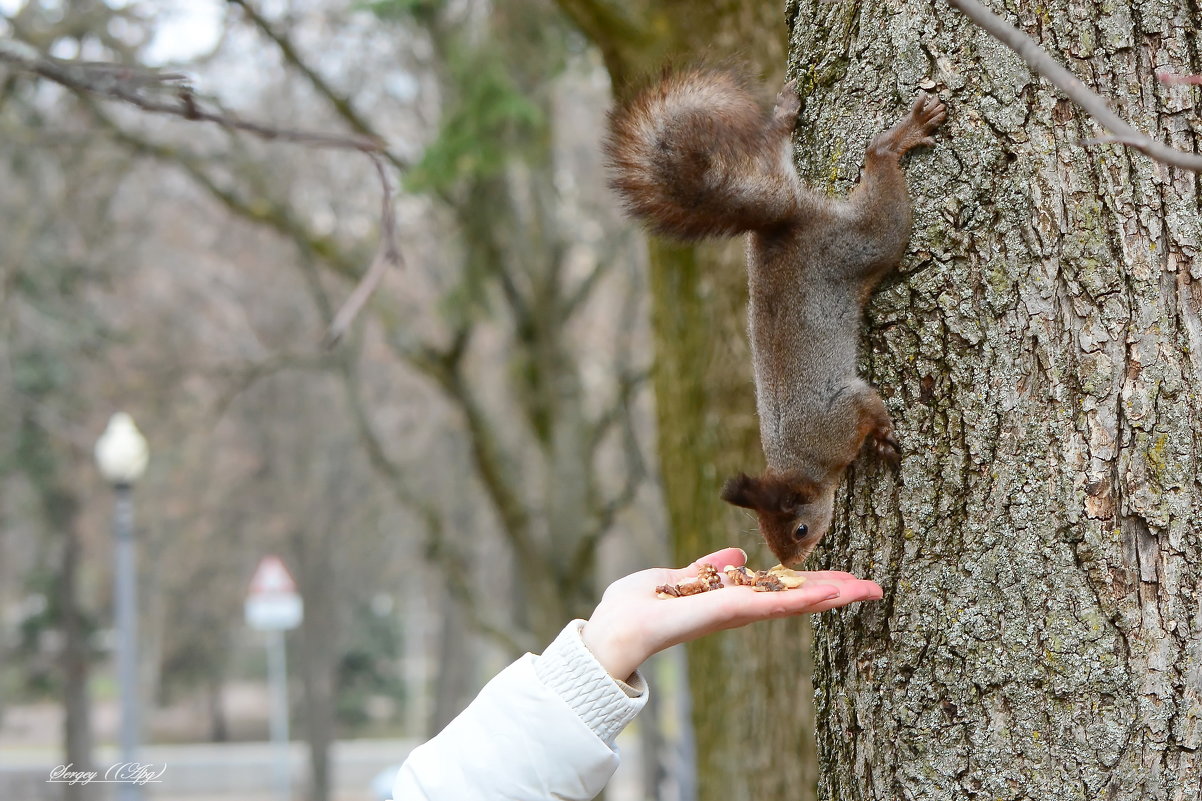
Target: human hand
{"type": "Point", "coordinates": [631, 623]}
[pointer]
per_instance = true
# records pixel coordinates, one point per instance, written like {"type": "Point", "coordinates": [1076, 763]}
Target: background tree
{"type": "Point", "coordinates": [52, 336]}
{"type": "Point", "coordinates": [493, 386]}
{"type": "Point", "coordinates": [1039, 549]}
{"type": "Point", "coordinates": [753, 711]}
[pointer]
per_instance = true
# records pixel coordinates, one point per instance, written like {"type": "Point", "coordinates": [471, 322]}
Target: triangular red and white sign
{"type": "Point", "coordinates": [272, 578]}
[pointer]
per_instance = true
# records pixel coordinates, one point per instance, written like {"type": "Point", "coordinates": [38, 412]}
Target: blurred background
{"type": "Point", "coordinates": [447, 486]}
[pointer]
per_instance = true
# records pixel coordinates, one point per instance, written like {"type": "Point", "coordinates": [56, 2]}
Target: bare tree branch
{"type": "Point", "coordinates": [274, 215]}
{"type": "Point", "coordinates": [440, 548]}
{"type": "Point", "coordinates": [628, 383]}
{"type": "Point", "coordinates": [291, 56]}
{"type": "Point", "coordinates": [630, 380]}
{"type": "Point", "coordinates": [584, 289]}
{"type": "Point", "coordinates": [445, 367]}
{"type": "Point", "coordinates": [128, 84]}
{"type": "Point", "coordinates": [603, 512]}
{"type": "Point", "coordinates": [388, 254]}
{"type": "Point", "coordinates": [458, 581]}
{"type": "Point", "coordinates": [340, 103]}
{"type": "Point", "coordinates": [1172, 78]}
{"type": "Point", "coordinates": [243, 378]}
{"type": "Point", "coordinates": [1088, 100]}
{"type": "Point", "coordinates": [120, 82]}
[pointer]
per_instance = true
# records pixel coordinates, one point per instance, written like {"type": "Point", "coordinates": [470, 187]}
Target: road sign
{"type": "Point", "coordinates": [274, 606]}
{"type": "Point", "coordinates": [272, 603]}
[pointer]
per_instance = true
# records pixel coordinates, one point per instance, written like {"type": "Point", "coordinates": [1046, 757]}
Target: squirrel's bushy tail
{"type": "Point", "coordinates": [697, 155]}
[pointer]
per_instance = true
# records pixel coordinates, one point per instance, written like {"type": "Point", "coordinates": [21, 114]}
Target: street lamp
{"type": "Point", "coordinates": [121, 454]}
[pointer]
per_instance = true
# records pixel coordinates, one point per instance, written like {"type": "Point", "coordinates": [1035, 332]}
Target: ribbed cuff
{"type": "Point", "coordinates": [604, 704]}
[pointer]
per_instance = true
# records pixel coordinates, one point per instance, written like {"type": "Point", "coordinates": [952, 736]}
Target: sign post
{"type": "Point", "coordinates": [273, 606]}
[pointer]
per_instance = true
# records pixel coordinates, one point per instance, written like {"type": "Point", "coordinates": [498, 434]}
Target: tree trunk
{"type": "Point", "coordinates": [456, 679]}
{"type": "Point", "coordinates": [319, 654]}
{"type": "Point", "coordinates": [1040, 635]}
{"type": "Point", "coordinates": [752, 704]}
{"type": "Point", "coordinates": [77, 718]}
{"type": "Point", "coordinates": [219, 727]}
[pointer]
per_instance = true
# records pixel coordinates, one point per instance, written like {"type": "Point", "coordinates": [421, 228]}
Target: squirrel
{"type": "Point", "coordinates": [696, 155]}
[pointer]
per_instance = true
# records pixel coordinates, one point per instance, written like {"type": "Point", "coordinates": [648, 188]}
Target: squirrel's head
{"type": "Point", "coordinates": [794, 512]}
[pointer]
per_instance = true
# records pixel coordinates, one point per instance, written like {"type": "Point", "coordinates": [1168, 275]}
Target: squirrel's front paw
{"type": "Point", "coordinates": [883, 446]}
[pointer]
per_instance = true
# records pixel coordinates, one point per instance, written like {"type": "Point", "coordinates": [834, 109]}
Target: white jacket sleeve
{"type": "Point", "coordinates": [542, 729]}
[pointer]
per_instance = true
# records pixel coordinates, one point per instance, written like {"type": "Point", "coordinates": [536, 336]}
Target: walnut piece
{"type": "Point", "coordinates": [707, 579]}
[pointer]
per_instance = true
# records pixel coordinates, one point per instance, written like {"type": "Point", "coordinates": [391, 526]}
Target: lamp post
{"type": "Point", "coordinates": [121, 454]}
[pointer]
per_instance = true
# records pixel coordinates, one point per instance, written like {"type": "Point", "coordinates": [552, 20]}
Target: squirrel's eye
{"type": "Point", "coordinates": [800, 532]}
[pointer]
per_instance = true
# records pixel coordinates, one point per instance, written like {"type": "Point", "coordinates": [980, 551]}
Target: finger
{"type": "Point", "coordinates": [859, 589]}
{"type": "Point", "coordinates": [724, 557]}
{"type": "Point", "coordinates": [747, 604]}
{"type": "Point", "coordinates": [827, 575]}
{"type": "Point", "coordinates": [851, 593]}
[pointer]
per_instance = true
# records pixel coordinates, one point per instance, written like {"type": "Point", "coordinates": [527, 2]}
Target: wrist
{"type": "Point", "coordinates": [569, 670]}
{"type": "Point", "coordinates": [613, 648]}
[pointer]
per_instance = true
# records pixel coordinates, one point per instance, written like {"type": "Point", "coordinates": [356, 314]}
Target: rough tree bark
{"type": "Point", "coordinates": [1040, 635]}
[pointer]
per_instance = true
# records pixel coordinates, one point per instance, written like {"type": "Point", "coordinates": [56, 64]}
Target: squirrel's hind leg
{"type": "Point", "coordinates": [916, 129]}
{"type": "Point", "coordinates": [880, 206]}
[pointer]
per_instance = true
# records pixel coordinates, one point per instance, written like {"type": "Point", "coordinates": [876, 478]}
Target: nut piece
{"type": "Point", "coordinates": [790, 578]}
{"type": "Point", "coordinates": [768, 583]}
{"type": "Point", "coordinates": [693, 587]}
{"type": "Point", "coordinates": [690, 587]}
{"type": "Point", "coordinates": [739, 576]}
{"type": "Point", "coordinates": [707, 579]}
{"type": "Point", "coordinates": [707, 574]}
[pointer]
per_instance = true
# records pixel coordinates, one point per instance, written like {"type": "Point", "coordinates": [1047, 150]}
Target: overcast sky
{"type": "Point", "coordinates": [185, 29]}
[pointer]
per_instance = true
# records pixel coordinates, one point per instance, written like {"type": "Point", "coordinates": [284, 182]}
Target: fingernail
{"type": "Point", "coordinates": [833, 594]}
{"type": "Point", "coordinates": [744, 554]}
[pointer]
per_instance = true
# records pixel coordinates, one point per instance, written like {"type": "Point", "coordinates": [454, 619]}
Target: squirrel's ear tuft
{"type": "Point", "coordinates": [798, 496]}
{"type": "Point", "coordinates": [742, 490]}
{"type": "Point", "coordinates": [770, 494]}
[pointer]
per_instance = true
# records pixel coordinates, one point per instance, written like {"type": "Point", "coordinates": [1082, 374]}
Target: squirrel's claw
{"type": "Point", "coordinates": [928, 112]}
{"type": "Point", "coordinates": [884, 446]}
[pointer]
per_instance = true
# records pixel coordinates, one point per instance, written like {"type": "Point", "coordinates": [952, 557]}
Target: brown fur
{"type": "Point", "coordinates": [695, 155]}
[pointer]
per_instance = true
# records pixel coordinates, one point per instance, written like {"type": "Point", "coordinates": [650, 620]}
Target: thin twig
{"type": "Point", "coordinates": [288, 51]}
{"type": "Point", "coordinates": [120, 82]}
{"type": "Point", "coordinates": [1172, 78]}
{"type": "Point", "coordinates": [387, 255]}
{"type": "Point", "coordinates": [243, 377]}
{"type": "Point", "coordinates": [439, 546]}
{"type": "Point", "coordinates": [1092, 103]}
